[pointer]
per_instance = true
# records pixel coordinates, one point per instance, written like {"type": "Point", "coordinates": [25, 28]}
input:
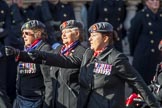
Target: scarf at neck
{"type": "Point", "coordinates": [96, 53]}
{"type": "Point", "coordinates": [65, 50]}
{"type": "Point", "coordinates": [34, 45]}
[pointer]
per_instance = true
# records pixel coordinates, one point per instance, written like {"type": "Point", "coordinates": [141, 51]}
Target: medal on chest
{"type": "Point", "coordinates": [101, 68]}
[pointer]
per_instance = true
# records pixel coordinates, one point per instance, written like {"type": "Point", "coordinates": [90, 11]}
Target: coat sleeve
{"type": "Point", "coordinates": [58, 60]}
{"type": "Point", "coordinates": [47, 81]}
{"type": "Point", "coordinates": [48, 85]}
{"type": "Point", "coordinates": [126, 72]}
{"type": "Point", "coordinates": [24, 56]}
{"type": "Point", "coordinates": [134, 32]}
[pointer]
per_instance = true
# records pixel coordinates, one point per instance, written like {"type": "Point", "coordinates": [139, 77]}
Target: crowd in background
{"type": "Point", "coordinates": [144, 35]}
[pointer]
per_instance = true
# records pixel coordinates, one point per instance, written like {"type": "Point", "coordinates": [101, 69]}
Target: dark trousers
{"type": "Point", "coordinates": [4, 101]}
{"type": "Point", "coordinates": [23, 102]}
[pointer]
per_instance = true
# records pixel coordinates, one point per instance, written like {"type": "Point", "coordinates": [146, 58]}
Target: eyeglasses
{"type": "Point", "coordinates": [27, 33]}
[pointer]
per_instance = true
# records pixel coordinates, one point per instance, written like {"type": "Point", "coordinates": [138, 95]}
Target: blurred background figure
{"type": "Point", "coordinates": [19, 15]}
{"type": "Point", "coordinates": [113, 11]}
{"type": "Point", "coordinates": [4, 40]}
{"type": "Point", "coordinates": [144, 37]}
{"type": "Point", "coordinates": [53, 13]}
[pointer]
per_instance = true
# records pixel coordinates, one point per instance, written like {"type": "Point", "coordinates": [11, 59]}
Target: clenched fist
{"type": "Point", "coordinates": [11, 51]}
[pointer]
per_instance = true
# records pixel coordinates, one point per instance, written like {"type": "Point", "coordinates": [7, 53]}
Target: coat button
{"type": "Point", "coordinates": [65, 15]}
{"type": "Point", "coordinates": [147, 15]}
{"type": "Point", "coordinates": [13, 21]}
{"type": "Point", "coordinates": [105, 9]}
{"type": "Point", "coordinates": [160, 15]}
{"type": "Point", "coordinates": [11, 13]}
{"type": "Point", "coordinates": [152, 41]}
{"type": "Point", "coordinates": [62, 6]}
{"type": "Point", "coordinates": [2, 11]}
{"type": "Point", "coordinates": [151, 33]}
{"type": "Point", "coordinates": [106, 19]}
{"type": "Point", "coordinates": [119, 9]}
{"type": "Point", "coordinates": [152, 50]}
{"type": "Point", "coordinates": [149, 23]}
{"type": "Point", "coordinates": [24, 11]}
{"type": "Point", "coordinates": [118, 19]}
{"type": "Point", "coordinates": [1, 30]}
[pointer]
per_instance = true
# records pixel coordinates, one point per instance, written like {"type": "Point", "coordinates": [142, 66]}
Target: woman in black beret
{"type": "Point", "coordinates": [103, 71]}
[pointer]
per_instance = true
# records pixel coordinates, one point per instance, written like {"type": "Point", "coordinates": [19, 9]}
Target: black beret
{"type": "Point", "coordinates": [33, 24]}
{"type": "Point", "coordinates": [71, 24]}
{"type": "Point", "coordinates": [102, 27]}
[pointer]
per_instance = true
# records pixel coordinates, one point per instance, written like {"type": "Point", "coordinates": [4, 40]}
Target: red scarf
{"type": "Point", "coordinates": [34, 43]}
{"type": "Point", "coordinates": [96, 53]}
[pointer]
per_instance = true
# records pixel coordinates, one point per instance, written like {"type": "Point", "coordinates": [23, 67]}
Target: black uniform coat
{"type": "Point", "coordinates": [3, 33]}
{"type": "Point", "coordinates": [144, 36]}
{"type": "Point", "coordinates": [5, 38]}
{"type": "Point", "coordinates": [4, 19]}
{"type": "Point", "coordinates": [4, 100]}
{"type": "Point", "coordinates": [112, 11]}
{"type": "Point", "coordinates": [37, 82]}
{"type": "Point", "coordinates": [102, 79]}
{"type": "Point", "coordinates": [66, 82]}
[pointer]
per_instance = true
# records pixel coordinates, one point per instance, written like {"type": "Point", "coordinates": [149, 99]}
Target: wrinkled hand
{"type": "Point", "coordinates": [11, 51]}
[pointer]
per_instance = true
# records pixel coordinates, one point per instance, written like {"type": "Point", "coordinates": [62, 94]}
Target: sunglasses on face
{"type": "Point", "coordinates": [27, 33]}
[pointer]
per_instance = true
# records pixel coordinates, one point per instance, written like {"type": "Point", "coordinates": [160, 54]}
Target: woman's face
{"type": "Point", "coordinates": [69, 35]}
{"type": "Point", "coordinates": [97, 41]}
{"type": "Point", "coordinates": [28, 37]}
{"type": "Point", "coordinates": [154, 5]}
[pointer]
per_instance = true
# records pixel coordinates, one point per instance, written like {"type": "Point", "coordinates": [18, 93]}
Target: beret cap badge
{"type": "Point", "coordinates": [27, 25]}
{"type": "Point", "coordinates": [71, 24]}
{"type": "Point", "coordinates": [94, 27]}
{"type": "Point", "coordinates": [64, 24]}
{"type": "Point", "coordinates": [101, 27]}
